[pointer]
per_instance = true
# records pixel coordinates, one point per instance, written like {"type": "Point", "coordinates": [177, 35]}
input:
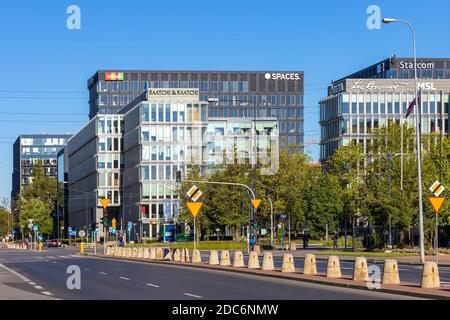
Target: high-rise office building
{"type": "Point", "coordinates": [371, 98]}
{"type": "Point", "coordinates": [242, 94]}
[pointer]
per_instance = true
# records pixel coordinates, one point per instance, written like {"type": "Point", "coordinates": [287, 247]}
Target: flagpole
{"type": "Point", "coordinates": [401, 148]}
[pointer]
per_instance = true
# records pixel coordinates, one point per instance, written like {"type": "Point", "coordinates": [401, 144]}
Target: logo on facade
{"type": "Point", "coordinates": [372, 86]}
{"type": "Point", "coordinates": [419, 65]}
{"type": "Point", "coordinates": [426, 86]}
{"type": "Point", "coordinates": [282, 76]}
{"type": "Point", "coordinates": [173, 92]}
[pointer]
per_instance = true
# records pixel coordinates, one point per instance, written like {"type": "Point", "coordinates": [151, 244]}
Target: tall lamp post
{"type": "Point", "coordinates": [418, 143]}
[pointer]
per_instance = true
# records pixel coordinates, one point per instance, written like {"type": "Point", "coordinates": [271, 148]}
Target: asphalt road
{"type": "Point", "coordinates": [45, 274]}
{"type": "Point", "coordinates": [408, 273]}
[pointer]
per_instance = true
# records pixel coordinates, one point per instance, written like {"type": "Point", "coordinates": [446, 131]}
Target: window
{"type": "Point", "coordinates": [145, 173]}
{"type": "Point", "coordinates": [224, 86]}
{"type": "Point", "coordinates": [160, 112]}
{"type": "Point", "coordinates": [145, 113]}
{"type": "Point", "coordinates": [102, 99]}
{"type": "Point", "coordinates": [153, 112]}
{"type": "Point", "coordinates": [243, 86]}
{"type": "Point", "coordinates": [167, 112]}
{"type": "Point", "coordinates": [145, 134]}
{"type": "Point", "coordinates": [145, 153]}
{"type": "Point", "coordinates": [344, 103]}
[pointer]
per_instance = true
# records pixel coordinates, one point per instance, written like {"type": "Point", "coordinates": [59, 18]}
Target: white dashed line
{"type": "Point", "coordinates": [192, 295]}
{"type": "Point", "coordinates": [123, 278]}
{"type": "Point", "coordinates": [152, 285]}
{"type": "Point", "coordinates": [32, 283]}
{"type": "Point", "coordinates": [47, 293]}
{"type": "Point", "coordinates": [38, 288]}
{"type": "Point", "coordinates": [103, 273]}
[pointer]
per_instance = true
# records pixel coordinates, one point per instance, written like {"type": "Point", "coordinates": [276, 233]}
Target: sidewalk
{"type": "Point", "coordinates": [443, 259]}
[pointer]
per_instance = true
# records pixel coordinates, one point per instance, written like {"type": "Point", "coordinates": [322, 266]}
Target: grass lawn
{"type": "Point", "coordinates": [202, 245]}
{"type": "Point", "coordinates": [365, 254]}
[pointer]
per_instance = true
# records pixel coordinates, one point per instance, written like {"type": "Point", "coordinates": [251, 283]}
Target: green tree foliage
{"type": "Point", "coordinates": [5, 222]}
{"type": "Point", "coordinates": [40, 194]}
{"type": "Point", "coordinates": [37, 210]}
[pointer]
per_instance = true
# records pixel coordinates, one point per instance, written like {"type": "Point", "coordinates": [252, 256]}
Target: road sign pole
{"type": "Point", "coordinates": [436, 239]}
{"type": "Point", "coordinates": [195, 238]}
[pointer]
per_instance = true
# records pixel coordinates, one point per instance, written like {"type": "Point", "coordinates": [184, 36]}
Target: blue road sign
{"type": "Point", "coordinates": [40, 238]}
{"type": "Point", "coordinates": [35, 228]}
{"type": "Point", "coordinates": [113, 230]}
{"type": "Point", "coordinates": [130, 224]}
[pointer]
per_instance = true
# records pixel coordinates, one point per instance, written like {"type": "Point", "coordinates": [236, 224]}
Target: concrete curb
{"type": "Point", "coordinates": [406, 289]}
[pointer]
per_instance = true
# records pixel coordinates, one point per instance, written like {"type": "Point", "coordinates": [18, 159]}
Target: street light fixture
{"type": "Point", "coordinates": [418, 142]}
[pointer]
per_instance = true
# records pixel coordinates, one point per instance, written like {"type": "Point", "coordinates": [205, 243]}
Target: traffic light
{"type": "Point", "coordinates": [178, 176]}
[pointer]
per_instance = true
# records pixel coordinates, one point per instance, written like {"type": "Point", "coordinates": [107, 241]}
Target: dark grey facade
{"type": "Point", "coordinates": [275, 93]}
{"type": "Point", "coordinates": [27, 150]}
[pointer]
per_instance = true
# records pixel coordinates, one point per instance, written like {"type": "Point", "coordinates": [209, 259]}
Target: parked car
{"type": "Point", "coordinates": [53, 243]}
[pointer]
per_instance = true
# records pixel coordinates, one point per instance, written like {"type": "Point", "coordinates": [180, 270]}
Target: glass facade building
{"type": "Point", "coordinates": [159, 133]}
{"type": "Point", "coordinates": [27, 151]}
{"type": "Point", "coordinates": [242, 94]}
{"type": "Point", "coordinates": [355, 107]}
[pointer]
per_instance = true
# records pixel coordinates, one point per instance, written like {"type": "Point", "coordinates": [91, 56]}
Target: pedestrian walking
{"type": "Point", "coordinates": [305, 239]}
{"type": "Point", "coordinates": [335, 240]}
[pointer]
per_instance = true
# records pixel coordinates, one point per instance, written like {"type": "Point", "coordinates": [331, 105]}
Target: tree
{"type": "Point", "coordinates": [39, 211]}
{"type": "Point", "coordinates": [41, 194]}
{"type": "Point", "coordinates": [5, 222]}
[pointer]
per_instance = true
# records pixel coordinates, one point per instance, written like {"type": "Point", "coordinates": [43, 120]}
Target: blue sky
{"type": "Point", "coordinates": [45, 66]}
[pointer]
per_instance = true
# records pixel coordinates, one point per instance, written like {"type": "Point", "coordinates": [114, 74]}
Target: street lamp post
{"type": "Point", "coordinates": [418, 136]}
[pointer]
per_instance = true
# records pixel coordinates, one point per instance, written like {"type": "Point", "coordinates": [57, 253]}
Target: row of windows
{"type": "Point", "coordinates": [33, 162]}
{"type": "Point", "coordinates": [111, 194]}
{"type": "Point", "coordinates": [159, 172]}
{"type": "Point", "coordinates": [166, 112]}
{"type": "Point", "coordinates": [350, 125]}
{"type": "Point", "coordinates": [43, 141]}
{"type": "Point", "coordinates": [109, 144]}
{"type": "Point", "coordinates": [409, 74]}
{"type": "Point", "coordinates": [136, 86]}
{"type": "Point", "coordinates": [109, 124]}
{"type": "Point", "coordinates": [42, 151]}
{"type": "Point", "coordinates": [380, 104]}
{"type": "Point", "coordinates": [108, 179]}
{"type": "Point", "coordinates": [279, 113]}
{"type": "Point", "coordinates": [162, 211]}
{"type": "Point", "coordinates": [164, 133]}
{"type": "Point", "coordinates": [158, 191]}
{"type": "Point", "coordinates": [109, 161]}
{"type": "Point", "coordinates": [121, 100]}
{"type": "Point", "coordinates": [163, 153]}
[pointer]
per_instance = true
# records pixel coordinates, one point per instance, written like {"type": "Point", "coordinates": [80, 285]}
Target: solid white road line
{"type": "Point", "coordinates": [123, 278]}
{"type": "Point", "coordinates": [152, 285]}
{"type": "Point", "coordinates": [192, 295]}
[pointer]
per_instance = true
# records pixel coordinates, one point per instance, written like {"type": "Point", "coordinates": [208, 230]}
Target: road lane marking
{"type": "Point", "coordinates": [192, 295]}
{"type": "Point", "coordinates": [124, 278]}
{"type": "Point", "coordinates": [103, 273]}
{"type": "Point", "coordinates": [32, 283]}
{"type": "Point", "coordinates": [152, 285]}
{"type": "Point", "coordinates": [47, 293]}
{"type": "Point", "coordinates": [38, 287]}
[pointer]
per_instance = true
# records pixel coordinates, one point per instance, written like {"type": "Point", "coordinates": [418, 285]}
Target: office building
{"type": "Point", "coordinates": [132, 157]}
{"type": "Point", "coordinates": [27, 151]}
{"type": "Point", "coordinates": [242, 94]}
{"type": "Point", "coordinates": [371, 98]}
